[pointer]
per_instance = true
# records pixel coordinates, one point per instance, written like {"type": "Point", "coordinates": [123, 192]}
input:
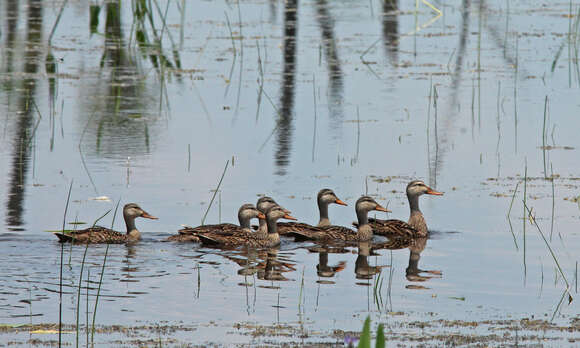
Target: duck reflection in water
{"type": "Point", "coordinates": [322, 268]}
{"type": "Point", "coordinates": [264, 264]}
{"type": "Point", "coordinates": [362, 269]}
{"type": "Point", "coordinates": [413, 272]}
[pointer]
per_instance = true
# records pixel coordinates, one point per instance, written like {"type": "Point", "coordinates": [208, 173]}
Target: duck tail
{"type": "Point", "coordinates": [208, 240]}
{"type": "Point", "coordinates": [63, 238]}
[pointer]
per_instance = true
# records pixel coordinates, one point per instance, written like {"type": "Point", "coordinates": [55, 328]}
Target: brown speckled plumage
{"type": "Point", "coordinates": [339, 233]}
{"type": "Point", "coordinates": [191, 234]}
{"type": "Point", "coordinates": [257, 239]}
{"type": "Point", "coordinates": [416, 227]}
{"type": "Point", "coordinates": [98, 234]}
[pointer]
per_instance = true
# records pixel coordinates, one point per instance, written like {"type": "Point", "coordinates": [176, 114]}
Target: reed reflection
{"type": "Point", "coordinates": [286, 110]}
{"type": "Point", "coordinates": [25, 104]}
{"type": "Point", "coordinates": [441, 143]}
{"type": "Point", "coordinates": [391, 30]}
{"type": "Point", "coordinates": [335, 75]}
{"type": "Point", "coordinates": [118, 102]}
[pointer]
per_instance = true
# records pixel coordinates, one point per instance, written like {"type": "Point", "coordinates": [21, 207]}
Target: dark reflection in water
{"type": "Point", "coordinates": [335, 76]}
{"type": "Point", "coordinates": [362, 269]}
{"type": "Point", "coordinates": [117, 102]}
{"type": "Point", "coordinates": [391, 30]}
{"type": "Point", "coordinates": [440, 146]}
{"type": "Point", "coordinates": [285, 126]}
{"type": "Point", "coordinates": [413, 272]}
{"type": "Point", "coordinates": [323, 269]}
{"type": "Point", "coordinates": [25, 94]}
{"type": "Point", "coordinates": [264, 264]}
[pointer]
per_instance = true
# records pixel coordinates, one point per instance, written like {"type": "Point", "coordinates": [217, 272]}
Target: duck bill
{"type": "Point", "coordinates": [381, 208]}
{"type": "Point", "coordinates": [339, 202]}
{"type": "Point", "coordinates": [261, 216]}
{"type": "Point", "coordinates": [430, 191]}
{"type": "Point", "coordinates": [289, 217]}
{"type": "Point", "coordinates": [146, 215]}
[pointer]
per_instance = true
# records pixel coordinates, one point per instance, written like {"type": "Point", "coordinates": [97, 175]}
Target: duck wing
{"type": "Point", "coordinates": [391, 227]}
{"type": "Point", "coordinates": [208, 228]}
{"type": "Point", "coordinates": [93, 235]}
{"type": "Point", "coordinates": [285, 228]}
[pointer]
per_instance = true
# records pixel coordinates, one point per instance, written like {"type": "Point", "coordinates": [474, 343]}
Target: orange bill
{"type": "Point", "coordinates": [339, 202]}
{"type": "Point", "coordinates": [147, 216]}
{"type": "Point", "coordinates": [289, 217]}
{"type": "Point", "coordinates": [430, 191]}
{"type": "Point", "coordinates": [381, 208]}
{"type": "Point", "coordinates": [261, 216]}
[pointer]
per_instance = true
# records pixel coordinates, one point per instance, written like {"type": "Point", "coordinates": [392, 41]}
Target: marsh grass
{"type": "Point", "coordinates": [61, 264]}
{"type": "Point", "coordinates": [544, 135]}
{"type": "Point", "coordinates": [315, 115]}
{"type": "Point", "coordinates": [557, 263]}
{"type": "Point", "coordinates": [101, 278]}
{"type": "Point", "coordinates": [365, 337]}
{"type": "Point", "coordinates": [81, 279]}
{"type": "Point", "coordinates": [215, 192]}
{"type": "Point", "coordinates": [553, 201]}
{"type": "Point", "coordinates": [300, 295]}
{"type": "Point", "coordinates": [524, 214]}
{"type": "Point", "coordinates": [508, 215]}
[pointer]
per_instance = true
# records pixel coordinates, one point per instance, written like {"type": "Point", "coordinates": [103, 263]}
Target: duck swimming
{"type": "Point", "coordinates": [416, 226]}
{"type": "Point", "coordinates": [99, 234]}
{"type": "Point", "coordinates": [339, 233]}
{"type": "Point", "coordinates": [267, 235]}
{"type": "Point", "coordinates": [245, 214]}
{"type": "Point", "coordinates": [325, 197]}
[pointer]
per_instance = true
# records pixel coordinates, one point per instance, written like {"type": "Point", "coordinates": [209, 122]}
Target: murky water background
{"type": "Point", "coordinates": [355, 96]}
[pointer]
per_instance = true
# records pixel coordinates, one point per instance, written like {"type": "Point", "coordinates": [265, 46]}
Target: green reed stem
{"type": "Point", "coordinates": [215, 192]}
{"type": "Point", "coordinates": [551, 252]}
{"type": "Point", "coordinates": [553, 201]}
{"type": "Point", "coordinates": [61, 257]}
{"type": "Point", "coordinates": [79, 292]}
{"type": "Point", "coordinates": [98, 294]}
{"type": "Point", "coordinates": [524, 217]}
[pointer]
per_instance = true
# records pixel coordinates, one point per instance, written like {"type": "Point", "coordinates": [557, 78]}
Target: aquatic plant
{"type": "Point", "coordinates": [365, 337]}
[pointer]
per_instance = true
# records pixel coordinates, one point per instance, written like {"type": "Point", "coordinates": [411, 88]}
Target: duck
{"type": "Point", "coordinates": [324, 198]}
{"type": "Point", "coordinates": [342, 234]}
{"type": "Point", "coordinates": [246, 213]}
{"type": "Point", "coordinates": [266, 237]}
{"type": "Point", "coordinates": [103, 235]}
{"type": "Point", "coordinates": [416, 227]}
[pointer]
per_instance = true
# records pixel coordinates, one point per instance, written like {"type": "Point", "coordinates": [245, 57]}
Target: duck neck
{"type": "Point", "coordinates": [263, 227]}
{"type": "Point", "coordinates": [132, 231]}
{"type": "Point", "coordinates": [414, 203]}
{"type": "Point", "coordinates": [362, 217]}
{"type": "Point", "coordinates": [272, 228]}
{"type": "Point", "coordinates": [244, 222]}
{"type": "Point", "coordinates": [130, 223]}
{"type": "Point", "coordinates": [323, 209]}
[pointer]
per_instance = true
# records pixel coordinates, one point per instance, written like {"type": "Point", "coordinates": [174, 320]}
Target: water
{"type": "Point", "coordinates": [315, 94]}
